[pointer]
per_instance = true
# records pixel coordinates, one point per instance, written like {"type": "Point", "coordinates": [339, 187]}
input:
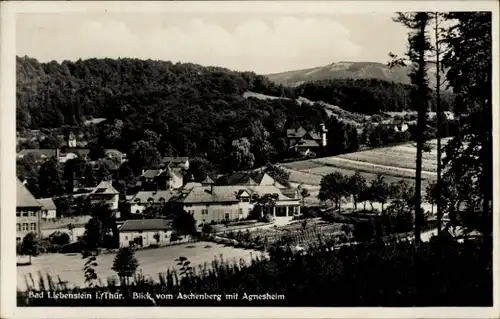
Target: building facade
{"type": "Point", "coordinates": [49, 209]}
{"type": "Point", "coordinates": [145, 232]}
{"type": "Point", "coordinates": [28, 212]}
{"type": "Point", "coordinates": [209, 203]}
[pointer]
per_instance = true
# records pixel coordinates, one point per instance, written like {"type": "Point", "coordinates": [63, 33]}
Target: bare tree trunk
{"type": "Point", "coordinates": [421, 126]}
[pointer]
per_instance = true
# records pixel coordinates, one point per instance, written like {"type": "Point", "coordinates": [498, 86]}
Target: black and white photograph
{"type": "Point", "coordinates": [267, 156]}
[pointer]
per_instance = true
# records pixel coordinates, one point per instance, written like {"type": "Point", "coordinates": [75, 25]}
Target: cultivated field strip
{"type": "Point", "coordinates": [396, 160]}
{"type": "Point", "coordinates": [304, 178]}
{"type": "Point", "coordinates": [302, 165]}
{"type": "Point", "coordinates": [372, 168]}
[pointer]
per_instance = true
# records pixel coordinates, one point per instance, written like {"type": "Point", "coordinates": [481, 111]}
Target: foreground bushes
{"type": "Point", "coordinates": [390, 274]}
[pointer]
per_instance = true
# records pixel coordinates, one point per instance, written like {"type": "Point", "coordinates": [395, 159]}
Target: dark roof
{"type": "Point", "coordinates": [258, 177]}
{"type": "Point", "coordinates": [144, 196]}
{"type": "Point", "coordinates": [146, 224]}
{"type": "Point", "coordinates": [105, 187]}
{"type": "Point", "coordinates": [207, 180]}
{"type": "Point", "coordinates": [227, 193]}
{"type": "Point", "coordinates": [238, 178]}
{"type": "Point", "coordinates": [47, 204]}
{"type": "Point", "coordinates": [289, 192]}
{"type": "Point", "coordinates": [24, 198]}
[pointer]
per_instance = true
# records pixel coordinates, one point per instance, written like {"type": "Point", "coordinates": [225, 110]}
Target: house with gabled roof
{"type": "Point", "coordinates": [172, 161]}
{"type": "Point", "coordinates": [305, 142]}
{"type": "Point", "coordinates": [162, 178]}
{"type": "Point", "coordinates": [211, 203]}
{"type": "Point", "coordinates": [49, 209]}
{"type": "Point", "coordinates": [28, 212]}
{"type": "Point", "coordinates": [248, 178]}
{"type": "Point", "coordinates": [105, 192]}
{"type": "Point", "coordinates": [145, 232]}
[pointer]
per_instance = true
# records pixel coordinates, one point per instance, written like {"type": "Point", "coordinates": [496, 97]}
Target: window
{"type": "Point", "coordinates": [241, 211]}
{"type": "Point", "coordinates": [166, 236]}
{"type": "Point", "coordinates": [126, 237]}
{"type": "Point", "coordinates": [18, 214]}
{"type": "Point", "coordinates": [18, 226]}
{"type": "Point", "coordinates": [31, 214]}
{"type": "Point", "coordinates": [25, 227]}
{"type": "Point", "coordinates": [24, 214]}
{"type": "Point", "coordinates": [204, 211]}
{"type": "Point", "coordinates": [33, 226]}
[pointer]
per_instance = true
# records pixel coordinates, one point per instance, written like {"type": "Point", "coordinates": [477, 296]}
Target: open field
{"type": "Point", "coordinates": [151, 262]}
{"type": "Point", "coordinates": [394, 163]}
{"type": "Point", "coordinates": [380, 157]}
{"type": "Point", "coordinates": [367, 167]}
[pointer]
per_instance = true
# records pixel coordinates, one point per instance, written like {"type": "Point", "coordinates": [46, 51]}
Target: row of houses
{"type": "Point", "coordinates": [31, 212]}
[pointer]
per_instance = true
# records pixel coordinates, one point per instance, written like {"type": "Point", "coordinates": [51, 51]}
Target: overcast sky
{"type": "Point", "coordinates": [264, 43]}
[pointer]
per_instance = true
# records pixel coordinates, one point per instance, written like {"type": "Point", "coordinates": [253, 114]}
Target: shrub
{"type": "Point", "coordinates": [266, 219]}
{"type": "Point", "coordinates": [208, 229]}
{"type": "Point", "coordinates": [59, 238]}
{"type": "Point", "coordinates": [174, 237]}
{"type": "Point", "coordinates": [72, 248]}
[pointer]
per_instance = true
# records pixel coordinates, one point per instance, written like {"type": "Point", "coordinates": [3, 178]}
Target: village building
{"type": "Point", "coordinates": [175, 162]}
{"type": "Point", "coordinates": [105, 192]}
{"type": "Point", "coordinates": [145, 232]}
{"type": "Point", "coordinates": [28, 212]}
{"type": "Point", "coordinates": [144, 199]}
{"type": "Point", "coordinates": [49, 209]}
{"type": "Point", "coordinates": [210, 203]}
{"type": "Point", "coordinates": [399, 125]}
{"type": "Point", "coordinates": [306, 142]}
{"type": "Point", "coordinates": [161, 179]}
{"type": "Point", "coordinates": [73, 149]}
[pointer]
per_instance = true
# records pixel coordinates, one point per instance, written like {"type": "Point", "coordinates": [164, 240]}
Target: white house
{"type": "Point", "coordinates": [145, 232]}
{"type": "Point", "coordinates": [143, 199]}
{"type": "Point", "coordinates": [180, 162]}
{"type": "Point", "coordinates": [49, 209]}
{"type": "Point", "coordinates": [209, 203]}
{"type": "Point", "coordinates": [107, 193]}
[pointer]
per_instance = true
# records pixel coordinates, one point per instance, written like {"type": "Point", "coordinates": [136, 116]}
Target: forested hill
{"type": "Point", "coordinates": [349, 70]}
{"type": "Point", "coordinates": [55, 94]}
{"type": "Point", "coordinates": [159, 108]}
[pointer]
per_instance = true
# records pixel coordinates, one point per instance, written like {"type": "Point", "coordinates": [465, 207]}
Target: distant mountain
{"type": "Point", "coordinates": [349, 70]}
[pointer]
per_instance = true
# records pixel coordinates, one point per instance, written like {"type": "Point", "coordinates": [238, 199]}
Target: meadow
{"type": "Point", "coordinates": [69, 267]}
{"type": "Point", "coordinates": [394, 163]}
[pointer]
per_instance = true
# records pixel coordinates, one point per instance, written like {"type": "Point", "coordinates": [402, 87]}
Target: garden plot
{"type": "Point", "coordinates": [372, 168]}
{"type": "Point", "coordinates": [296, 233]}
